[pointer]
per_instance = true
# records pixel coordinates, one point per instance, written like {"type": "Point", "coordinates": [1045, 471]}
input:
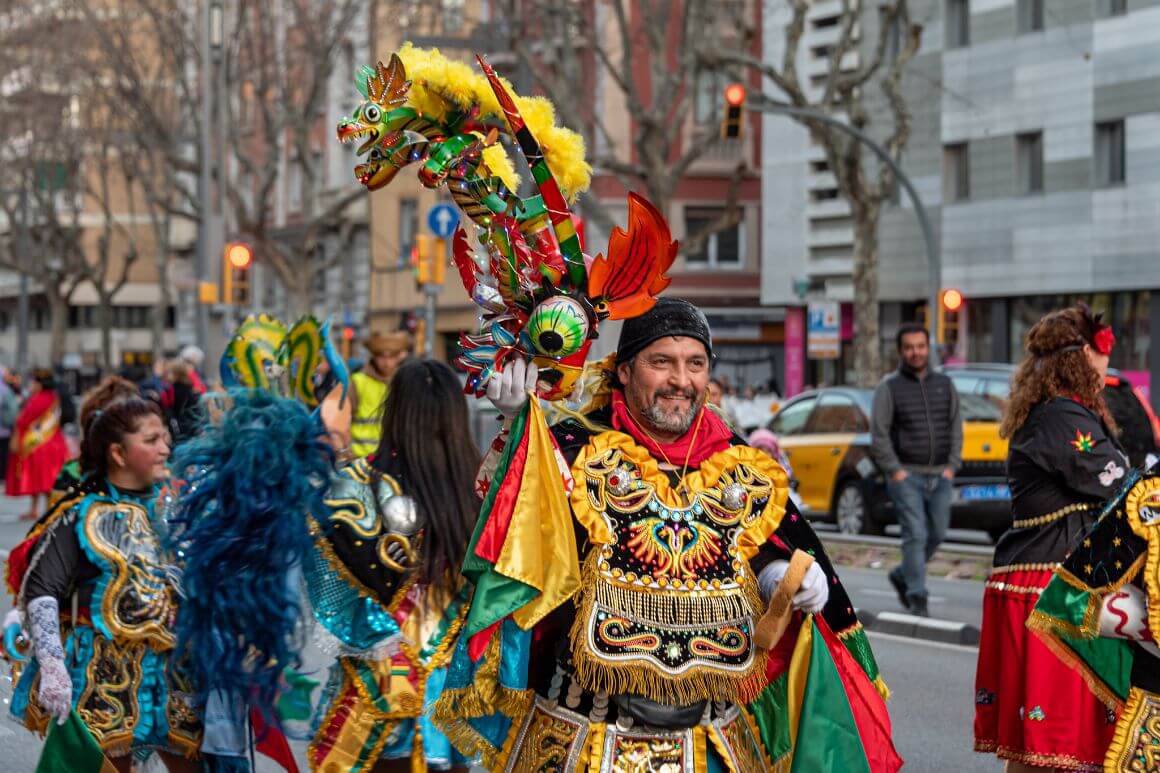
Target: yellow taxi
{"type": "Point", "coordinates": [825, 433]}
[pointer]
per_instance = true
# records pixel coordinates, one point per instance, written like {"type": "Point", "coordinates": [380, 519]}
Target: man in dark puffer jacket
{"type": "Point", "coordinates": [917, 443]}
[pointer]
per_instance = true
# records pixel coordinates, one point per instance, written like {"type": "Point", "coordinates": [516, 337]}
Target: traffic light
{"type": "Point", "coordinates": [237, 263]}
{"type": "Point", "coordinates": [950, 304]}
{"type": "Point", "coordinates": [427, 260]}
{"type": "Point", "coordinates": [734, 111]}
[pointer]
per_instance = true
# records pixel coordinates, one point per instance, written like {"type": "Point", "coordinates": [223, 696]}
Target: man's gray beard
{"type": "Point", "coordinates": [678, 425]}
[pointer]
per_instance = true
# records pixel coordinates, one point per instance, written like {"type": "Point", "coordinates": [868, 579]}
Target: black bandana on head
{"type": "Point", "coordinates": [669, 317]}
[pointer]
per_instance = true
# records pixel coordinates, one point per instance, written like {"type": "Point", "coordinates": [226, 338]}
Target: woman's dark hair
{"type": "Point", "coordinates": [426, 438]}
{"type": "Point", "coordinates": [1056, 366]}
{"type": "Point", "coordinates": [45, 378]}
{"type": "Point", "coordinates": [108, 426]}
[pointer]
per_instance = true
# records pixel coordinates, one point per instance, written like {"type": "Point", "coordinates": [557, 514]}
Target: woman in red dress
{"type": "Point", "coordinates": [1030, 708]}
{"type": "Point", "coordinates": [37, 450]}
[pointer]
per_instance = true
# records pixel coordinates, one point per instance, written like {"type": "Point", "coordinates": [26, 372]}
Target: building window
{"type": "Point", "coordinates": [408, 227]}
{"type": "Point", "coordinates": [721, 249]}
{"type": "Point", "coordinates": [1029, 161]}
{"type": "Point", "coordinates": [1030, 16]}
{"type": "Point", "coordinates": [1113, 7]}
{"type": "Point", "coordinates": [958, 23]}
{"type": "Point", "coordinates": [956, 172]}
{"type": "Point", "coordinates": [707, 98]}
{"type": "Point", "coordinates": [1109, 153]}
{"type": "Point", "coordinates": [452, 15]}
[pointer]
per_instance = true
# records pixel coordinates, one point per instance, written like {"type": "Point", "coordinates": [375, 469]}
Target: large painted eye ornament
{"type": "Point", "coordinates": [558, 327]}
{"type": "Point", "coordinates": [372, 113]}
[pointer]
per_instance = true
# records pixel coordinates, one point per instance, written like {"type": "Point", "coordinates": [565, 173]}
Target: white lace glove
{"type": "Point", "coordinates": [811, 596]}
{"type": "Point", "coordinates": [55, 693]}
{"type": "Point", "coordinates": [508, 388]}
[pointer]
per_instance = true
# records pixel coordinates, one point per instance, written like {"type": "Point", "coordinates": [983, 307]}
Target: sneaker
{"type": "Point", "coordinates": [918, 606]}
{"type": "Point", "coordinates": [899, 588]}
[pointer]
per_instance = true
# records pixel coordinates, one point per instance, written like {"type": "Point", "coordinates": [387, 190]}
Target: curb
{"type": "Point", "coordinates": [945, 549]}
{"type": "Point", "coordinates": [927, 628]}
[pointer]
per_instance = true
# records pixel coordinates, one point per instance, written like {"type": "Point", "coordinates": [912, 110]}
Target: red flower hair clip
{"type": "Point", "coordinates": [1104, 340]}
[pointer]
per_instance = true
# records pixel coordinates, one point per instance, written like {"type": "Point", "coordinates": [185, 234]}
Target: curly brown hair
{"type": "Point", "coordinates": [1057, 366]}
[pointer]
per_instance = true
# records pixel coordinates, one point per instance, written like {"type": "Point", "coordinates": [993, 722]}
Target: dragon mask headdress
{"type": "Point", "coordinates": [540, 296]}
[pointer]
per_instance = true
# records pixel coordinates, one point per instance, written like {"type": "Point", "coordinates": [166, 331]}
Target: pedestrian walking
{"type": "Point", "coordinates": [1030, 708]}
{"type": "Point", "coordinates": [37, 448]}
{"type": "Point", "coordinates": [181, 401]}
{"type": "Point", "coordinates": [917, 443]}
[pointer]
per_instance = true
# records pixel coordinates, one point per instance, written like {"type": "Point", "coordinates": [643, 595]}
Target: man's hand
{"type": "Point", "coordinates": [948, 473]}
{"type": "Point", "coordinates": [508, 388]}
{"type": "Point", "coordinates": [899, 476]}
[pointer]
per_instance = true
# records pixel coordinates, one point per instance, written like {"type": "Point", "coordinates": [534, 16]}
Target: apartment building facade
{"type": "Point", "coordinates": [1036, 151]}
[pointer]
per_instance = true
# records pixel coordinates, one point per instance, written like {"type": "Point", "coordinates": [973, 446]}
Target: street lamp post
{"type": "Point", "coordinates": [934, 259]}
{"type": "Point", "coordinates": [22, 302]}
{"type": "Point", "coordinates": [208, 237]}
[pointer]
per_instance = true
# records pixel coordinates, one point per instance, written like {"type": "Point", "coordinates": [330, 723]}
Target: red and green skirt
{"type": "Point", "coordinates": [1029, 706]}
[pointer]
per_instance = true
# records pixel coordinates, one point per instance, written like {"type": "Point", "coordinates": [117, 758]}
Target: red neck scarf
{"type": "Point", "coordinates": [698, 444]}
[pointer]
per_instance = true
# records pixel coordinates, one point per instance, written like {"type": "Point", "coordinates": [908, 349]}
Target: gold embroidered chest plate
{"type": "Point", "coordinates": [668, 602]}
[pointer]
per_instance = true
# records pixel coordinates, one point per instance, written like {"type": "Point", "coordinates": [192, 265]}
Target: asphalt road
{"type": "Point", "coordinates": [931, 708]}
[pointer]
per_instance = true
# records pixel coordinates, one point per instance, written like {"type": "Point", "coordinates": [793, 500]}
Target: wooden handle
{"type": "Point", "coordinates": [777, 615]}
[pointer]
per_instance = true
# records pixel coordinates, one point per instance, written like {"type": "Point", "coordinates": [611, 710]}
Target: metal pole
{"type": "Point", "coordinates": [934, 259]}
{"type": "Point", "coordinates": [429, 344]}
{"type": "Point", "coordinates": [22, 303]}
{"type": "Point", "coordinates": [202, 263]}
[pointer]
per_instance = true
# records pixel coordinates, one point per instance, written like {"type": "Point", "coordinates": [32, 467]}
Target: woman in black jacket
{"type": "Point", "coordinates": [1063, 462]}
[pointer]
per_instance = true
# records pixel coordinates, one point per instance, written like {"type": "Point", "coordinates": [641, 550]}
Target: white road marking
{"type": "Point", "coordinates": [923, 642]}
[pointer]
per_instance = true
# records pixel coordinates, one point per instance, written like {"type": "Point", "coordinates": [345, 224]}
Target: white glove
{"type": "Point", "coordinates": [814, 591]}
{"type": "Point", "coordinates": [811, 596]}
{"type": "Point", "coordinates": [55, 692]}
{"type": "Point", "coordinates": [508, 388]}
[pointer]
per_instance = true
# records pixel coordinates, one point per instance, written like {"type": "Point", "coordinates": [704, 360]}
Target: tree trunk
{"type": "Point", "coordinates": [299, 296]}
{"type": "Point", "coordinates": [105, 323]}
{"type": "Point", "coordinates": [58, 321]}
{"type": "Point", "coordinates": [164, 300]}
{"type": "Point", "coordinates": [867, 339]}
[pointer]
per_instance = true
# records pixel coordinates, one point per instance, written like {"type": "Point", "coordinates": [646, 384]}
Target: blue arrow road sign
{"type": "Point", "coordinates": [442, 219]}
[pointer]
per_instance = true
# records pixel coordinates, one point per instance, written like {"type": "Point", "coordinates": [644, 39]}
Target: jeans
{"type": "Point", "coordinates": [923, 505]}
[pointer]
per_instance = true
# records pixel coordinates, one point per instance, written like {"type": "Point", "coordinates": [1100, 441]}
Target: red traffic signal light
{"type": "Point", "coordinates": [952, 300]}
{"type": "Point", "coordinates": [239, 255]}
{"type": "Point", "coordinates": [735, 95]}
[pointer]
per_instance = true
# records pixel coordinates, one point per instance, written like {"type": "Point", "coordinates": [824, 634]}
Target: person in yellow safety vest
{"type": "Point", "coordinates": [369, 388]}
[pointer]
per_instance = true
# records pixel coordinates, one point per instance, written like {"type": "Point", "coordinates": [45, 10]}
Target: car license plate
{"type": "Point", "coordinates": [982, 493]}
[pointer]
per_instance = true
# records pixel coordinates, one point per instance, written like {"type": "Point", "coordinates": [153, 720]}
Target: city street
{"type": "Point", "coordinates": [932, 683]}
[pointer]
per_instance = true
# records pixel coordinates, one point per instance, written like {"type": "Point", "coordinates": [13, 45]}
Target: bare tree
{"type": "Point", "coordinates": [276, 60]}
{"type": "Point", "coordinates": [643, 54]}
{"type": "Point", "coordinates": [863, 181]}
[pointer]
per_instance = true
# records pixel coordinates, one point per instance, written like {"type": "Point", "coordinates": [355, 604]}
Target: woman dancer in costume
{"type": "Point", "coordinates": [416, 499]}
{"type": "Point", "coordinates": [99, 574]}
{"type": "Point", "coordinates": [1031, 709]}
{"type": "Point", "coordinates": [37, 449]}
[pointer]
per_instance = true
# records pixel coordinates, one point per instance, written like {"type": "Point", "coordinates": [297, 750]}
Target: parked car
{"type": "Point", "coordinates": [826, 434]}
{"type": "Point", "coordinates": [1139, 426]}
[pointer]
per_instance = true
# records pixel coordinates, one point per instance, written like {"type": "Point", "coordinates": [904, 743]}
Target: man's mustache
{"type": "Point", "coordinates": [688, 394]}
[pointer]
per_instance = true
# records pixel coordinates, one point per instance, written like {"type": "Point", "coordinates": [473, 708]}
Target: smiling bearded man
{"type": "Point", "coordinates": [682, 535]}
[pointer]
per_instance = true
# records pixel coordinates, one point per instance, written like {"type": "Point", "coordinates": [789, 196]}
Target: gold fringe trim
{"type": "Point", "coordinates": [1061, 761]}
{"type": "Point", "coordinates": [485, 696]}
{"type": "Point", "coordinates": [663, 608]}
{"type": "Point", "coordinates": [640, 675]}
{"type": "Point", "coordinates": [883, 690]}
{"type": "Point", "coordinates": [1030, 590]}
{"type": "Point", "coordinates": [1026, 523]}
{"type": "Point", "coordinates": [1102, 590]}
{"type": "Point", "coordinates": [1045, 628]}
